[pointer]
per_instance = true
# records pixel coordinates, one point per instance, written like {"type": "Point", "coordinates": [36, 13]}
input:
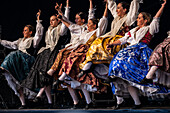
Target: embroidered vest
{"type": "Point", "coordinates": [123, 29]}
{"type": "Point", "coordinates": [147, 38]}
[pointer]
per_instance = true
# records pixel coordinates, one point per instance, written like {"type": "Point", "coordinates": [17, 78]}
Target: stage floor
{"type": "Point", "coordinates": [98, 110]}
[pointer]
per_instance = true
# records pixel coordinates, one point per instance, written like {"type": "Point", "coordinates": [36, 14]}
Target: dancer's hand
{"type": "Point", "coordinates": [58, 8]}
{"type": "Point", "coordinates": [163, 4]}
{"type": "Point", "coordinates": [38, 15]}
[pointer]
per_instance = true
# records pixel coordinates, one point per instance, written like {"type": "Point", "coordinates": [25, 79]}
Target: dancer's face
{"type": "Point", "coordinates": [26, 32]}
{"type": "Point", "coordinates": [78, 20]}
{"type": "Point", "coordinates": [54, 21]}
{"type": "Point", "coordinates": [141, 21]}
{"type": "Point", "coordinates": [120, 11]}
{"type": "Point", "coordinates": [90, 25]}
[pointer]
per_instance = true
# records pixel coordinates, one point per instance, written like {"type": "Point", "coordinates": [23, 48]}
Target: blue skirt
{"type": "Point", "coordinates": [18, 64]}
{"type": "Point", "coordinates": [131, 64]}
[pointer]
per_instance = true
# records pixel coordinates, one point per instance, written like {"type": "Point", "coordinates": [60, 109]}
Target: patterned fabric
{"type": "Point", "coordinates": [161, 56]}
{"type": "Point", "coordinates": [77, 56]}
{"type": "Point", "coordinates": [147, 38]}
{"type": "Point", "coordinates": [97, 52]}
{"type": "Point", "coordinates": [71, 64]}
{"type": "Point", "coordinates": [37, 74]}
{"type": "Point", "coordinates": [61, 56]}
{"type": "Point", "coordinates": [131, 63]}
{"type": "Point", "coordinates": [18, 64]}
{"type": "Point", "coordinates": [71, 67]}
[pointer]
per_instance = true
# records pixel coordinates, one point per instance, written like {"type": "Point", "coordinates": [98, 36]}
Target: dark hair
{"type": "Point", "coordinates": [126, 6]}
{"type": "Point", "coordinates": [147, 16]}
{"type": "Point", "coordinates": [82, 16]}
{"type": "Point", "coordinates": [31, 28]}
{"type": "Point", "coordinates": [95, 21]}
{"type": "Point", "coordinates": [55, 16]}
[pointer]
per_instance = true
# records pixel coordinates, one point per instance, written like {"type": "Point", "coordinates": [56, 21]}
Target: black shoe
{"type": "Point", "coordinates": [50, 106]}
{"type": "Point", "coordinates": [23, 107]}
{"type": "Point", "coordinates": [90, 105]}
{"type": "Point", "coordinates": [37, 100]}
{"type": "Point", "coordinates": [76, 106]}
{"type": "Point", "coordinates": [118, 106]}
{"type": "Point", "coordinates": [137, 106]}
{"type": "Point", "coordinates": [56, 83]}
{"type": "Point", "coordinates": [2, 71]}
{"type": "Point", "coordinates": [109, 79]}
{"type": "Point", "coordinates": [146, 81]}
{"type": "Point", "coordinates": [68, 78]}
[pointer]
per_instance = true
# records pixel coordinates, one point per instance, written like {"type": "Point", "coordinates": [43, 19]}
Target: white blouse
{"type": "Point", "coordinates": [131, 15]}
{"type": "Point", "coordinates": [85, 36]}
{"type": "Point", "coordinates": [22, 44]}
{"type": "Point", "coordinates": [77, 30]}
{"type": "Point", "coordinates": [53, 34]}
{"type": "Point", "coordinates": [133, 39]}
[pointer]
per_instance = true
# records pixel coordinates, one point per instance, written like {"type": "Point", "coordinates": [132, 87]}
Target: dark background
{"type": "Point", "coordinates": [15, 14]}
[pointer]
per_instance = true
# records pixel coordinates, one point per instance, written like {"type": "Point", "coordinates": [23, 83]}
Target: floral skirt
{"type": "Point", "coordinates": [130, 65]}
{"type": "Point", "coordinates": [71, 67]}
{"type": "Point", "coordinates": [18, 64]}
{"type": "Point", "coordinates": [71, 64]}
{"type": "Point", "coordinates": [98, 53]}
{"type": "Point", "coordinates": [161, 56]}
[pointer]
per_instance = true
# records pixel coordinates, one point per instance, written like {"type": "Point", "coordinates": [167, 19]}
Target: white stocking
{"type": "Point", "coordinates": [62, 76]}
{"type": "Point", "coordinates": [134, 94]}
{"type": "Point", "coordinates": [87, 66]}
{"type": "Point", "coordinates": [41, 92]}
{"type": "Point", "coordinates": [50, 72]}
{"type": "Point", "coordinates": [86, 94]}
{"type": "Point", "coordinates": [21, 97]}
{"type": "Point", "coordinates": [119, 99]}
{"type": "Point", "coordinates": [73, 95]}
{"type": "Point", "coordinates": [48, 94]}
{"type": "Point", "coordinates": [151, 72]}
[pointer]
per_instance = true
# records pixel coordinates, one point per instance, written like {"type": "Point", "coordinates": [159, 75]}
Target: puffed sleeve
{"type": "Point", "coordinates": [9, 44]}
{"type": "Point", "coordinates": [102, 26]}
{"type": "Point", "coordinates": [154, 26]}
{"type": "Point", "coordinates": [64, 29]}
{"type": "Point", "coordinates": [38, 34]}
{"type": "Point", "coordinates": [133, 12]}
{"type": "Point", "coordinates": [112, 7]}
{"type": "Point", "coordinates": [123, 40]}
{"type": "Point", "coordinates": [91, 13]}
{"type": "Point", "coordinates": [75, 29]}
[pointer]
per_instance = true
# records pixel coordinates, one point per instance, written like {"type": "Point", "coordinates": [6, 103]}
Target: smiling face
{"type": "Point", "coordinates": [141, 21]}
{"type": "Point", "coordinates": [26, 32]}
{"type": "Point", "coordinates": [120, 11]}
{"type": "Point", "coordinates": [90, 25]}
{"type": "Point", "coordinates": [78, 20]}
{"type": "Point", "coordinates": [54, 21]}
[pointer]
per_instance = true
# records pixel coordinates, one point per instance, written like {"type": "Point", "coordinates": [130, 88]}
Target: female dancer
{"type": "Point", "coordinates": [75, 30]}
{"type": "Point", "coordinates": [124, 17]}
{"type": "Point", "coordinates": [37, 77]}
{"type": "Point", "coordinates": [76, 56]}
{"type": "Point", "coordinates": [160, 60]}
{"type": "Point", "coordinates": [17, 64]}
{"type": "Point", "coordinates": [130, 65]}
